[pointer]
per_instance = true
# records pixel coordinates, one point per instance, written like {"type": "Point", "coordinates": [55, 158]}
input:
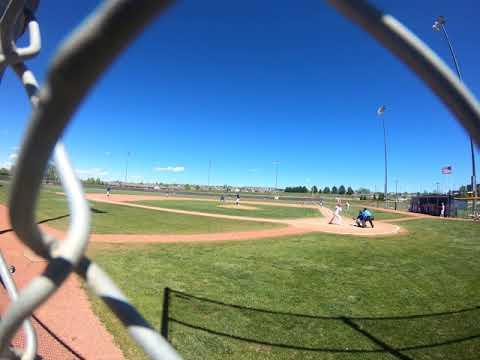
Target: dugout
{"type": "Point", "coordinates": [432, 205]}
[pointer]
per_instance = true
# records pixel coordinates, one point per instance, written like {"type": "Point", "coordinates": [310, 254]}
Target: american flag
{"type": "Point", "coordinates": [447, 169]}
{"type": "Point", "coordinates": [381, 110]}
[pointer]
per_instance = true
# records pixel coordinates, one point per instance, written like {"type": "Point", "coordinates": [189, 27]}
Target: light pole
{"type": "Point", "coordinates": [396, 194]}
{"type": "Point", "coordinates": [126, 166]}
{"type": "Point", "coordinates": [438, 25]}
{"type": "Point", "coordinates": [209, 170]}
{"type": "Point", "coordinates": [438, 184]}
{"type": "Point", "coordinates": [380, 112]}
{"type": "Point", "coordinates": [276, 174]}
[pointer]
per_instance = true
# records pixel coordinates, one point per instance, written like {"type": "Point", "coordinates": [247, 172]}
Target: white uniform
{"type": "Point", "coordinates": [337, 218]}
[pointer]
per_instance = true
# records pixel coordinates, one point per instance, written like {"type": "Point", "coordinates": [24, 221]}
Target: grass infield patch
{"type": "Point", "coordinates": [214, 207]}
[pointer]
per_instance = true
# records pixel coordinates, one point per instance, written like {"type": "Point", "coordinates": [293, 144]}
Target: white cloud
{"type": "Point", "coordinates": [252, 170]}
{"type": "Point", "coordinates": [172, 169]}
{"type": "Point", "coordinates": [10, 162]}
{"type": "Point", "coordinates": [108, 153]}
{"type": "Point", "coordinates": [93, 172]}
{"type": "Point", "coordinates": [6, 165]}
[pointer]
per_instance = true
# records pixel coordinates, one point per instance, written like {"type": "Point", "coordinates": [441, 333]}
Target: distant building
{"type": "Point", "coordinates": [132, 186]}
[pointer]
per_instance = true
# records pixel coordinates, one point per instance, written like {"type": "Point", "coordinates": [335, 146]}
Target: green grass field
{"type": "Point", "coordinates": [117, 219]}
{"type": "Point", "coordinates": [393, 281]}
{"type": "Point", "coordinates": [264, 211]}
{"type": "Point", "coordinates": [287, 198]}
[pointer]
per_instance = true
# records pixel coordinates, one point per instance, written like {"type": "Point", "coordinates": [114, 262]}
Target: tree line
{"type": "Point", "coordinates": [464, 190]}
{"type": "Point", "coordinates": [341, 190]}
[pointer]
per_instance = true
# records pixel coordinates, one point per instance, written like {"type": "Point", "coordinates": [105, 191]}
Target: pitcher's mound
{"type": "Point", "coordinates": [240, 207]}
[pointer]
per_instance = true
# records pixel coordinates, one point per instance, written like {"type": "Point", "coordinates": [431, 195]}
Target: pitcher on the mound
{"type": "Point", "coordinates": [336, 218]}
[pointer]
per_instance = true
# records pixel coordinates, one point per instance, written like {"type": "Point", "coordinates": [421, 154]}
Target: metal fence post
{"type": "Point", "coordinates": [166, 304]}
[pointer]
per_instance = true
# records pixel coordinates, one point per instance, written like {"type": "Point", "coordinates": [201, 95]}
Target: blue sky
{"type": "Point", "coordinates": [244, 84]}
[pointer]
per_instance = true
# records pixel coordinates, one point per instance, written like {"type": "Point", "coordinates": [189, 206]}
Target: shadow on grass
{"type": "Point", "coordinates": [393, 335]}
{"type": "Point", "coordinates": [95, 211]}
{"type": "Point", "coordinates": [40, 222]}
{"type": "Point", "coordinates": [53, 219]}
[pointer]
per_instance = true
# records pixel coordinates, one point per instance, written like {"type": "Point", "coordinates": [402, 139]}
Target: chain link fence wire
{"type": "Point", "coordinates": [97, 43]}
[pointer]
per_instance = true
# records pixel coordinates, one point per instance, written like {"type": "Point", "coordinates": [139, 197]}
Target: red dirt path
{"type": "Point", "coordinates": [67, 314]}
